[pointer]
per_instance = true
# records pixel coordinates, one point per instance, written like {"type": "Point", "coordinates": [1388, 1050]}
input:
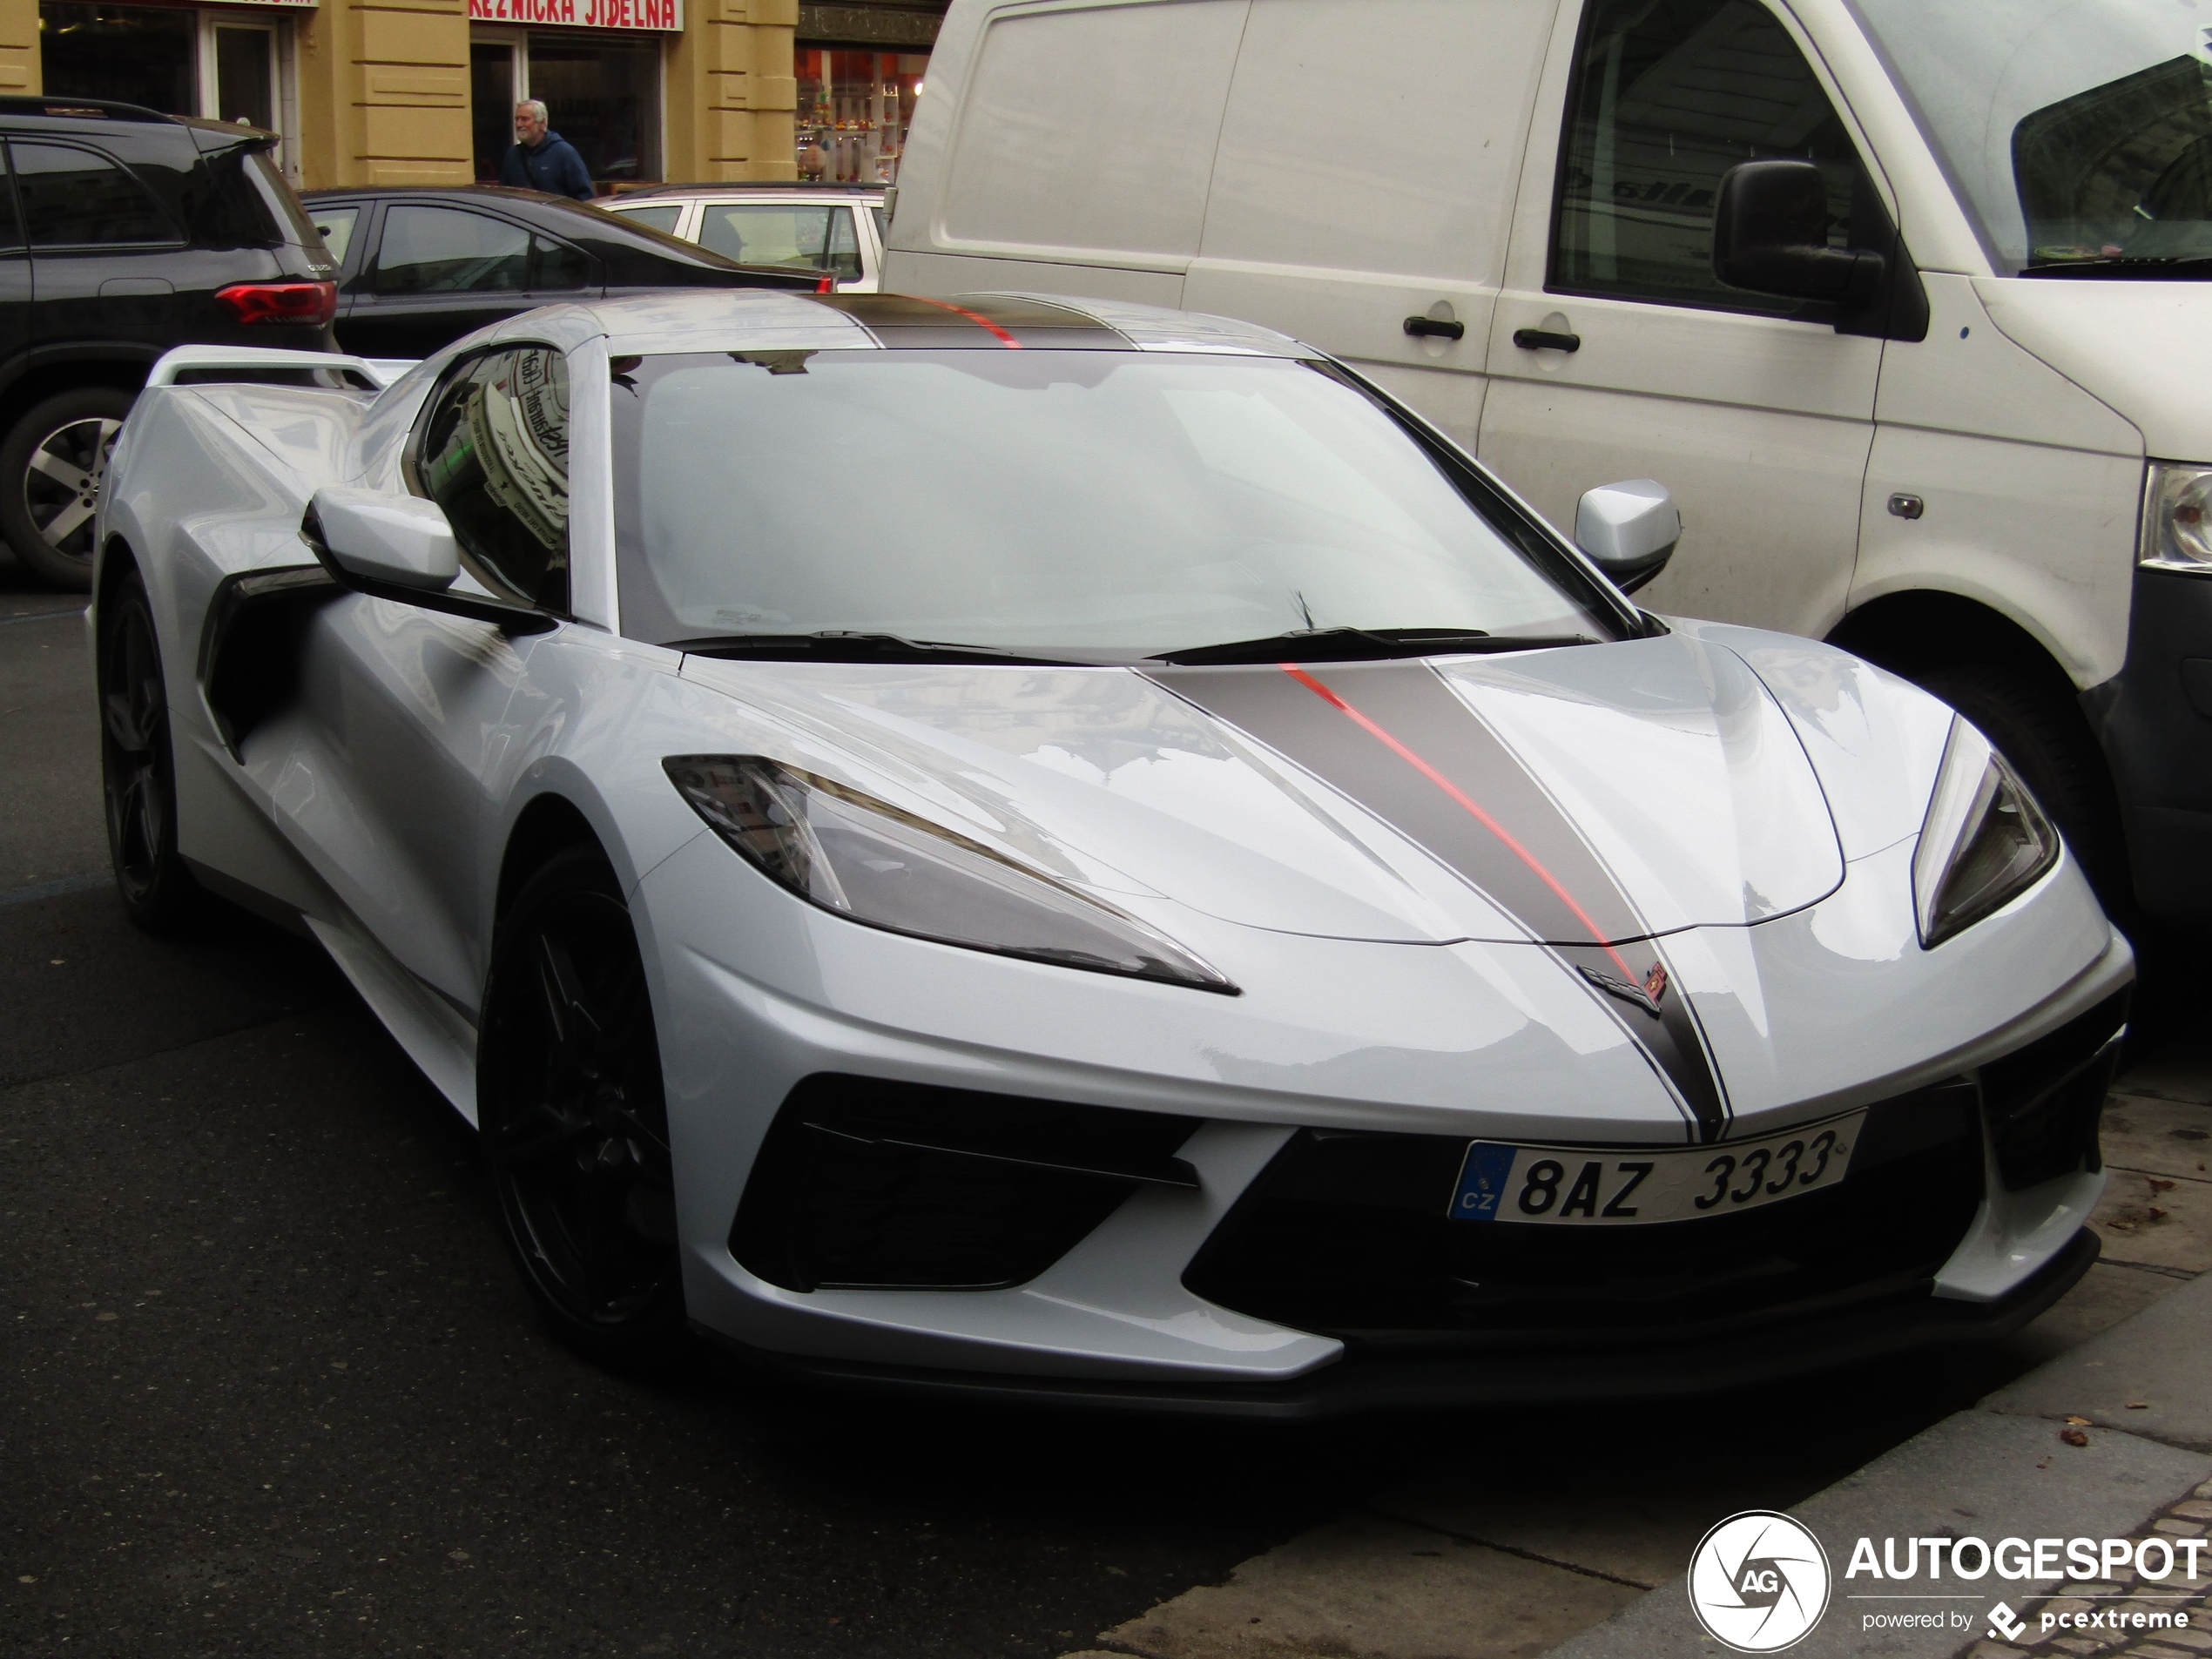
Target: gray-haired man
{"type": "Point", "coordinates": [539, 159]}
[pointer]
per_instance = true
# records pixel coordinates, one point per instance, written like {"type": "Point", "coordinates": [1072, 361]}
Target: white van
{"type": "Point", "coordinates": [1954, 412]}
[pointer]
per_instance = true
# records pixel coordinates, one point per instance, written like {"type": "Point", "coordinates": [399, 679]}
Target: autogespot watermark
{"type": "Point", "coordinates": [1760, 1582]}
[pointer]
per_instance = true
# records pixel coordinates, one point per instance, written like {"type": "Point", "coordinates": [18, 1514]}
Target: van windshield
{"type": "Point", "coordinates": [1105, 505]}
{"type": "Point", "coordinates": [2078, 131]}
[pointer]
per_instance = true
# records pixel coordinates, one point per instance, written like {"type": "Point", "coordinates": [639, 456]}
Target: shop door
{"type": "Point", "coordinates": [491, 105]}
{"type": "Point", "coordinates": [1756, 413]}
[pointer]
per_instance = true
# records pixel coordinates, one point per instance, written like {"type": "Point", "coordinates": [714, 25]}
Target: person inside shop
{"type": "Point", "coordinates": [540, 159]}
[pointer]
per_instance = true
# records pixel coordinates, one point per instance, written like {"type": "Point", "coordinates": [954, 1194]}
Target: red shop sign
{"type": "Point", "coordinates": [581, 14]}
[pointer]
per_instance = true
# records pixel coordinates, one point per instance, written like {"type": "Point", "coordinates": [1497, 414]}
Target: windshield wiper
{"type": "Point", "coordinates": [845, 645]}
{"type": "Point", "coordinates": [2149, 264]}
{"type": "Point", "coordinates": [1364, 644]}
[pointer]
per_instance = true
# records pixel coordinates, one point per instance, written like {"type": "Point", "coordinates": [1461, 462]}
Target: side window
{"type": "Point", "coordinates": [73, 197]}
{"type": "Point", "coordinates": [446, 250]}
{"type": "Point", "coordinates": [556, 266]}
{"type": "Point", "coordinates": [767, 233]}
{"type": "Point", "coordinates": [662, 215]}
{"type": "Point", "coordinates": [844, 256]}
{"type": "Point", "coordinates": [1666, 99]}
{"type": "Point", "coordinates": [335, 226]}
{"type": "Point", "coordinates": [494, 452]}
{"type": "Point", "coordinates": [10, 225]}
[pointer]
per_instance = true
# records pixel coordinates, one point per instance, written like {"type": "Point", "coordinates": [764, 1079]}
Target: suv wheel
{"type": "Point", "coordinates": [51, 469]}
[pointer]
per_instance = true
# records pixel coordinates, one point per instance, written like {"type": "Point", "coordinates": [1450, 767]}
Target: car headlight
{"type": "Point", "coordinates": [867, 860]}
{"type": "Point", "coordinates": [1985, 841]}
{"type": "Point", "coordinates": [2177, 518]}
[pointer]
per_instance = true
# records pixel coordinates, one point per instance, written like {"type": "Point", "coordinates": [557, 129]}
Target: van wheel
{"type": "Point", "coordinates": [52, 468]}
{"type": "Point", "coordinates": [2039, 729]}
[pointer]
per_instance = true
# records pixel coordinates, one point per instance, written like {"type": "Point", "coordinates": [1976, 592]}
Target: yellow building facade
{"type": "Point", "coordinates": [423, 91]}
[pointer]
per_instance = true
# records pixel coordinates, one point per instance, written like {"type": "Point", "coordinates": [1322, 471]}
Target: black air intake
{"type": "Point", "coordinates": [867, 1184]}
{"type": "Point", "coordinates": [2044, 1101]}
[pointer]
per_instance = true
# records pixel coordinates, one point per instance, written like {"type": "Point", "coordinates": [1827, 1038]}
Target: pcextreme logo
{"type": "Point", "coordinates": [1759, 1582]}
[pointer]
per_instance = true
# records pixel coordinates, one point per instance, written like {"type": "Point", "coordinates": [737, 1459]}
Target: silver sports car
{"type": "Point", "coordinates": [1084, 851]}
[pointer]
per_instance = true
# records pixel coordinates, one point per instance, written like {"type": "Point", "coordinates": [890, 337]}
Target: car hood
{"type": "Point", "coordinates": [1593, 793]}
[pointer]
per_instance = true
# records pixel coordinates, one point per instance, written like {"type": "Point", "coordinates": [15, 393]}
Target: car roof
{"type": "Point", "coordinates": [749, 187]}
{"type": "Point", "coordinates": [725, 320]}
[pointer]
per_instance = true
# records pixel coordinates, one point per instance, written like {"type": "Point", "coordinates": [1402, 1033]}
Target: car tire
{"type": "Point", "coordinates": [2039, 728]}
{"type": "Point", "coordinates": [574, 1126]}
{"type": "Point", "coordinates": [52, 464]}
{"type": "Point", "coordinates": [138, 762]}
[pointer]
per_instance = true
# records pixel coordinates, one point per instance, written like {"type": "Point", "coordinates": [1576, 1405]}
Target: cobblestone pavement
{"type": "Point", "coordinates": [2122, 1597]}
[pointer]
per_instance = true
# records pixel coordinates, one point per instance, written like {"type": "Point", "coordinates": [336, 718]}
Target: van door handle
{"type": "Point", "coordinates": [1545, 340]}
{"type": "Point", "coordinates": [1437, 326]}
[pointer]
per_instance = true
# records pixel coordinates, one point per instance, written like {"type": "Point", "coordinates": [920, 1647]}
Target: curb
{"type": "Point", "coordinates": [1998, 1470]}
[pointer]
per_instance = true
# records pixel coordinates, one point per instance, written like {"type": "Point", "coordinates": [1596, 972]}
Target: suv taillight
{"type": "Point", "coordinates": [314, 303]}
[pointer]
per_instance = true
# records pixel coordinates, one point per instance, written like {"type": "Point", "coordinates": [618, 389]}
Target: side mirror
{"type": "Point", "coordinates": [1770, 235]}
{"type": "Point", "coordinates": [384, 540]}
{"type": "Point", "coordinates": [1629, 530]}
{"type": "Point", "coordinates": [401, 546]}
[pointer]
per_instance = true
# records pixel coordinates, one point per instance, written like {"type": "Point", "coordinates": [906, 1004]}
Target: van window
{"type": "Point", "coordinates": [1665, 99]}
{"type": "Point", "coordinates": [1093, 128]}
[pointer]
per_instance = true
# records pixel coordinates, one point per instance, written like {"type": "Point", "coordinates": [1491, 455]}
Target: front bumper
{"type": "Point", "coordinates": [1373, 1382]}
{"type": "Point", "coordinates": [2154, 719]}
{"type": "Point", "coordinates": [1826, 1010]}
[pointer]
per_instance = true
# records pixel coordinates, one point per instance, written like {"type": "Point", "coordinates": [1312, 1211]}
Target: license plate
{"type": "Point", "coordinates": [1592, 1186]}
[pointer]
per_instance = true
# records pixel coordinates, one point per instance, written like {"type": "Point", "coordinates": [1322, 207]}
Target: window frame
{"type": "Point", "coordinates": [502, 602]}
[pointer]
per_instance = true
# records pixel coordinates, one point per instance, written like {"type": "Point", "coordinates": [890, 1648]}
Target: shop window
{"type": "Point", "coordinates": [605, 99]}
{"type": "Point", "coordinates": [72, 197]}
{"type": "Point", "coordinates": [136, 54]}
{"type": "Point", "coordinates": [445, 250]}
{"type": "Point", "coordinates": [855, 111]}
{"type": "Point", "coordinates": [495, 456]}
{"type": "Point", "coordinates": [246, 74]}
{"type": "Point", "coordinates": [765, 233]}
{"type": "Point", "coordinates": [1667, 99]}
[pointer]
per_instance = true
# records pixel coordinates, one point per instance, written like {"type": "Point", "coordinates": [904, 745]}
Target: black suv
{"type": "Point", "coordinates": [124, 233]}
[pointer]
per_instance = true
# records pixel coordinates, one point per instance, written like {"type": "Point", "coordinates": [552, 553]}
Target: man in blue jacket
{"type": "Point", "coordinates": [542, 161]}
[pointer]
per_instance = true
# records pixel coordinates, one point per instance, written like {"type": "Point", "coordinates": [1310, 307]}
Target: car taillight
{"type": "Point", "coordinates": [315, 303]}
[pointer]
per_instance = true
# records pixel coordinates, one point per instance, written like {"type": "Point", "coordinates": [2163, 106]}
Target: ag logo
{"type": "Point", "coordinates": [1758, 1581]}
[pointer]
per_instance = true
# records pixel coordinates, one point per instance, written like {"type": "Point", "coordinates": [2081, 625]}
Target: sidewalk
{"type": "Point", "coordinates": [1577, 1529]}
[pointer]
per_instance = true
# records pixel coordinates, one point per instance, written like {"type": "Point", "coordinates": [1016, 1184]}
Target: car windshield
{"type": "Point", "coordinates": [2078, 131]}
{"type": "Point", "coordinates": [1113, 504]}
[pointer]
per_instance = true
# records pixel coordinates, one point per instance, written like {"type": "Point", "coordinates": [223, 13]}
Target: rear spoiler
{"type": "Point", "coordinates": [272, 364]}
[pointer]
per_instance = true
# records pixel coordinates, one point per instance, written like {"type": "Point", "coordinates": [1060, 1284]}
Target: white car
{"type": "Point", "coordinates": [838, 228]}
{"type": "Point", "coordinates": [1009, 844]}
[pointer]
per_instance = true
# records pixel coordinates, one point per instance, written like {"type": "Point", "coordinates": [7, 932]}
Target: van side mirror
{"type": "Point", "coordinates": [1770, 236]}
{"type": "Point", "coordinates": [1629, 530]}
{"type": "Point", "coordinates": [385, 540]}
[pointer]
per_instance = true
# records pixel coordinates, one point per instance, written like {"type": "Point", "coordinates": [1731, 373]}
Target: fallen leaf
{"type": "Point", "coordinates": [2081, 1422]}
{"type": "Point", "coordinates": [2154, 1213]}
{"type": "Point", "coordinates": [2139, 1405]}
{"type": "Point", "coordinates": [2074, 1437]}
{"type": "Point", "coordinates": [2157, 1185]}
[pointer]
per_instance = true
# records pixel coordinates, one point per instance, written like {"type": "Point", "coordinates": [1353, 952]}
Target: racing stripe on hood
{"type": "Point", "coordinates": [975, 321]}
{"type": "Point", "coordinates": [1397, 739]}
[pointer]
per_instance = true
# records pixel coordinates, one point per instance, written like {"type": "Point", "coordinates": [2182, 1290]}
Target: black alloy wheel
{"type": "Point", "coordinates": [53, 467]}
{"type": "Point", "coordinates": [138, 767]}
{"type": "Point", "coordinates": [574, 1125]}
